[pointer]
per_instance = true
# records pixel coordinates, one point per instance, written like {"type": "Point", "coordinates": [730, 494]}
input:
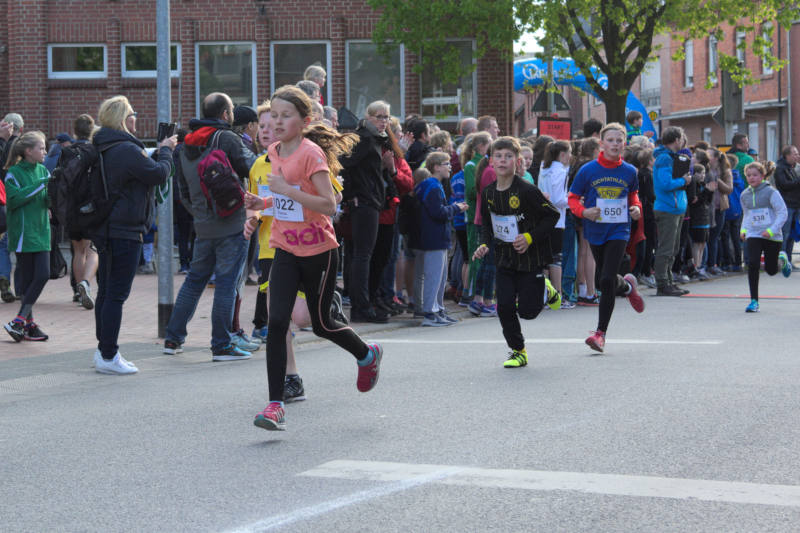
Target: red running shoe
{"type": "Point", "coordinates": [597, 341]}
{"type": "Point", "coordinates": [368, 374]}
{"type": "Point", "coordinates": [634, 297]}
{"type": "Point", "coordinates": [272, 418]}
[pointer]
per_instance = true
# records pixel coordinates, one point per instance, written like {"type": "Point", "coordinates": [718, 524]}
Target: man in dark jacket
{"type": "Point", "coordinates": [787, 182]}
{"type": "Point", "coordinates": [220, 248]}
{"type": "Point", "coordinates": [364, 195]}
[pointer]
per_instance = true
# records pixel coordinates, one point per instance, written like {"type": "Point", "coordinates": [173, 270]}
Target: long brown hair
{"type": "Point", "coordinates": [333, 143]}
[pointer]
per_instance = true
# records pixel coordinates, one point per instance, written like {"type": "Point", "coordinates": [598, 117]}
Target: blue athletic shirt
{"type": "Point", "coordinates": [594, 180]}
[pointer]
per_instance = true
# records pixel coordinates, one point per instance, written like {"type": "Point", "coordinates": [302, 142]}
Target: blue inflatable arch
{"type": "Point", "coordinates": [532, 72]}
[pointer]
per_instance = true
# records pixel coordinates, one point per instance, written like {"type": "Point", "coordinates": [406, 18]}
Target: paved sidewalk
{"type": "Point", "coordinates": [71, 327]}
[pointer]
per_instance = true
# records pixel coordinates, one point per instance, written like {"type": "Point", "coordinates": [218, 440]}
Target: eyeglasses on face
{"type": "Point", "coordinates": [381, 117]}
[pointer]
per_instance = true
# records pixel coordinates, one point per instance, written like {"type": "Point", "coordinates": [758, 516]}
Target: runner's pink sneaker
{"type": "Point", "coordinates": [272, 418]}
{"type": "Point", "coordinates": [634, 297]}
{"type": "Point", "coordinates": [368, 374]}
{"type": "Point", "coordinates": [597, 341]}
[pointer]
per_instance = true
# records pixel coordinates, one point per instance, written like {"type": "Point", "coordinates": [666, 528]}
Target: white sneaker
{"type": "Point", "coordinates": [98, 355]}
{"type": "Point", "coordinates": [118, 365]}
{"type": "Point", "coordinates": [85, 295]}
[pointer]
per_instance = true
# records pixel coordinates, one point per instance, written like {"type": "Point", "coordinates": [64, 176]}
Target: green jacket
{"type": "Point", "coordinates": [744, 160]}
{"type": "Point", "coordinates": [470, 187]}
{"type": "Point", "coordinates": [26, 205]}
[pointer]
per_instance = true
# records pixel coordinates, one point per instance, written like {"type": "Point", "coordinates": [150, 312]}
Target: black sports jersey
{"type": "Point", "coordinates": [534, 215]}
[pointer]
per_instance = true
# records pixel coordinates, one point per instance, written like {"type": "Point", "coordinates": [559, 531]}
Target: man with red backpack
{"type": "Point", "coordinates": [209, 174]}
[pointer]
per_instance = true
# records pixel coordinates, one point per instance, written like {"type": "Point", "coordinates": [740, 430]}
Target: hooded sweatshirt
{"type": "Point", "coordinates": [553, 183]}
{"type": "Point", "coordinates": [670, 191]}
{"type": "Point", "coordinates": [763, 210]}
{"type": "Point", "coordinates": [207, 224]}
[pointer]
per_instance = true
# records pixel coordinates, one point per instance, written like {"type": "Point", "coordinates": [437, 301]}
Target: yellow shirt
{"type": "Point", "coordinates": [259, 175]}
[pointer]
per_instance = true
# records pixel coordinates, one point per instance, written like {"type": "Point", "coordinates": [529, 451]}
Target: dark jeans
{"type": "Point", "coordinates": [386, 288]}
{"type": "Point", "coordinates": [380, 258]}
{"type": "Point", "coordinates": [364, 220]}
{"type": "Point", "coordinates": [34, 268]}
{"type": "Point", "coordinates": [224, 258]}
{"type": "Point", "coordinates": [518, 293]}
{"type": "Point", "coordinates": [788, 242]}
{"type": "Point", "coordinates": [714, 239]}
{"type": "Point", "coordinates": [117, 262]}
{"type": "Point", "coordinates": [732, 246]}
{"type": "Point", "coordinates": [317, 273]}
{"type": "Point", "coordinates": [755, 246]}
{"type": "Point", "coordinates": [608, 258]}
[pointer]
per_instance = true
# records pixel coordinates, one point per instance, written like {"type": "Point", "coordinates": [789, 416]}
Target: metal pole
{"type": "Point", "coordinates": [165, 238]}
{"type": "Point", "coordinates": [551, 101]}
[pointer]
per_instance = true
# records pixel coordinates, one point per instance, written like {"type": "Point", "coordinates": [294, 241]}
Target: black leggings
{"type": "Point", "coordinates": [35, 273]}
{"type": "Point", "coordinates": [518, 293]}
{"type": "Point", "coordinates": [261, 317]}
{"type": "Point", "coordinates": [317, 273]}
{"type": "Point", "coordinates": [608, 257]}
{"type": "Point", "coordinates": [771, 249]}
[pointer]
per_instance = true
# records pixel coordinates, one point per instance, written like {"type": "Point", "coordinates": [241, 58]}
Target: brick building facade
{"type": "Point", "coordinates": [63, 58]}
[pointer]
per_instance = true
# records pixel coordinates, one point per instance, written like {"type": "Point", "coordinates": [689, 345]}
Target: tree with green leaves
{"type": "Point", "coordinates": [615, 36]}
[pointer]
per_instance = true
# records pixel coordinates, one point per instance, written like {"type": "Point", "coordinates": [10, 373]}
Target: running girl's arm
{"type": "Point", "coordinates": [780, 213]}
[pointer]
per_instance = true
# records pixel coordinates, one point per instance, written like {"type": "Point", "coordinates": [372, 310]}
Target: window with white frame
{"type": "Point", "coordinates": [766, 33]}
{"type": "Point", "coordinates": [290, 59]}
{"type": "Point", "coordinates": [227, 67]}
{"type": "Point", "coordinates": [433, 87]}
{"type": "Point", "coordinates": [650, 81]}
{"type": "Point", "coordinates": [740, 47]}
{"type": "Point", "coordinates": [140, 60]}
{"type": "Point", "coordinates": [76, 61]}
{"type": "Point", "coordinates": [372, 76]}
{"type": "Point", "coordinates": [688, 64]}
{"type": "Point", "coordinates": [772, 140]}
{"type": "Point", "coordinates": [712, 59]}
{"type": "Point", "coordinates": [752, 136]}
{"type": "Point", "coordinates": [707, 135]}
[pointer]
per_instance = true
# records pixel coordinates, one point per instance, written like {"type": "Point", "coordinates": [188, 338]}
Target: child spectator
{"type": "Point", "coordinates": [28, 228]}
{"type": "Point", "coordinates": [700, 196]}
{"type": "Point", "coordinates": [553, 184]}
{"type": "Point", "coordinates": [434, 241]}
{"type": "Point", "coordinates": [633, 124]}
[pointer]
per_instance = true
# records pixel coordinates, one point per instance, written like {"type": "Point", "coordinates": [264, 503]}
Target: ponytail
{"type": "Point", "coordinates": [25, 141]}
{"type": "Point", "coordinates": [333, 144]}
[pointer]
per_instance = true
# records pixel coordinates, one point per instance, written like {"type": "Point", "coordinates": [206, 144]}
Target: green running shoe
{"type": "Point", "coordinates": [516, 359]}
{"type": "Point", "coordinates": [553, 296]}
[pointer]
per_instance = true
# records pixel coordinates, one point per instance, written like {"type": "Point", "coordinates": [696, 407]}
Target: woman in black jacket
{"type": "Point", "coordinates": [365, 175]}
{"type": "Point", "coordinates": [130, 176]}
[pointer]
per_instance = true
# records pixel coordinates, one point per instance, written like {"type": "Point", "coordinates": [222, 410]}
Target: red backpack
{"type": "Point", "coordinates": [219, 182]}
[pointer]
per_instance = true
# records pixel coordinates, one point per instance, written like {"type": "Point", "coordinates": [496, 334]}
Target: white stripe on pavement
{"type": "Point", "coordinates": [540, 341]}
{"type": "Point", "coordinates": [611, 484]}
{"type": "Point", "coordinates": [409, 482]}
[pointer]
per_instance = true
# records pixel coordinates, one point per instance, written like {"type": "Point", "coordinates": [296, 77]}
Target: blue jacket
{"type": "Point", "coordinates": [435, 215]}
{"type": "Point", "coordinates": [670, 192]}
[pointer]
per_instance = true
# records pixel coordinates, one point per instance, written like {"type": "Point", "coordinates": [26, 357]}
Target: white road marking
{"type": "Point", "coordinates": [541, 341]}
{"type": "Point", "coordinates": [611, 484]}
{"type": "Point", "coordinates": [408, 482]}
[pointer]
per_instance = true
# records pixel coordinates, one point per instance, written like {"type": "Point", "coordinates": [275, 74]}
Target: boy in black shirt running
{"type": "Point", "coordinates": [519, 218]}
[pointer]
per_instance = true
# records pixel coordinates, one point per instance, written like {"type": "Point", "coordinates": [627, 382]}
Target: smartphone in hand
{"type": "Point", "coordinates": [165, 129]}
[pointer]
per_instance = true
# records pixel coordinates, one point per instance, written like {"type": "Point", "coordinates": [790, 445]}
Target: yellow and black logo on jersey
{"type": "Point", "coordinates": [513, 201]}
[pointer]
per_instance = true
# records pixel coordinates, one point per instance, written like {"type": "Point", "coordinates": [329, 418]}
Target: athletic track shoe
{"type": "Point", "coordinates": [272, 418]}
{"type": "Point", "coordinates": [752, 307]}
{"type": "Point", "coordinates": [786, 267]}
{"type": "Point", "coordinates": [368, 374]}
{"type": "Point", "coordinates": [553, 296]}
{"type": "Point", "coordinates": [516, 359]}
{"type": "Point", "coordinates": [634, 297]}
{"type": "Point", "coordinates": [596, 341]}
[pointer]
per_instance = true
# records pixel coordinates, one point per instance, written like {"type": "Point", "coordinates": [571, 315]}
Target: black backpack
{"type": "Point", "coordinates": [77, 191]}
